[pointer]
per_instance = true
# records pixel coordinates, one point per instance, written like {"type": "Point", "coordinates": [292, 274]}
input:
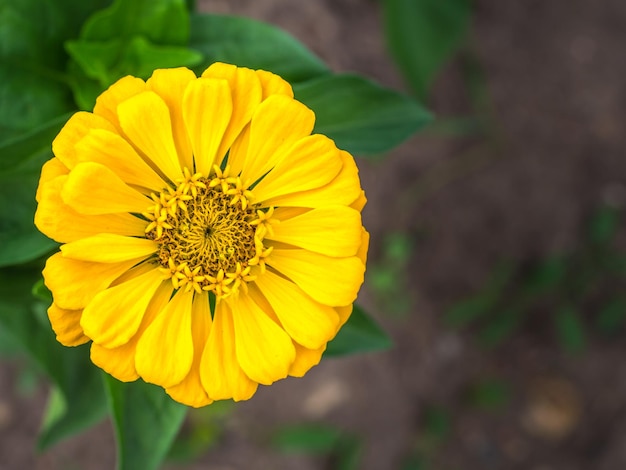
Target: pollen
{"type": "Point", "coordinates": [209, 234]}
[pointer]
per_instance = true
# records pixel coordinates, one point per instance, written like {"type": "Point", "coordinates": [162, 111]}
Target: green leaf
{"type": "Point", "coordinates": [129, 38]}
{"type": "Point", "coordinates": [360, 115]}
{"type": "Point", "coordinates": [422, 35]}
{"type": "Point", "coordinates": [570, 330]}
{"type": "Point", "coordinates": [32, 89]}
{"type": "Point", "coordinates": [307, 438]}
{"type": "Point", "coordinates": [249, 43]}
{"type": "Point", "coordinates": [360, 334]}
{"type": "Point", "coordinates": [31, 149]}
{"type": "Point", "coordinates": [160, 21]}
{"type": "Point", "coordinates": [146, 421]}
{"type": "Point", "coordinates": [20, 166]}
{"type": "Point", "coordinates": [77, 400]}
{"type": "Point", "coordinates": [107, 61]}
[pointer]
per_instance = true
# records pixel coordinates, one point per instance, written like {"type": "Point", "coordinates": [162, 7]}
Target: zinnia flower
{"type": "Point", "coordinates": [210, 243]}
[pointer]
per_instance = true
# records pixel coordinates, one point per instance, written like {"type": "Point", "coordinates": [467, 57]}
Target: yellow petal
{"type": "Point", "coordinates": [311, 162]}
{"type": "Point", "coordinates": [109, 248]}
{"type": "Point", "coordinates": [170, 85]}
{"type": "Point", "coordinates": [342, 190]}
{"type": "Point", "coordinates": [305, 359]}
{"type": "Point", "coordinates": [74, 283]}
{"type": "Point", "coordinates": [246, 92]}
{"type": "Point", "coordinates": [63, 224]}
{"type": "Point", "coordinates": [207, 109]}
{"type": "Point", "coordinates": [220, 372]}
{"type": "Point", "coordinates": [114, 315]}
{"type": "Point", "coordinates": [77, 127]}
{"type": "Point", "coordinates": [365, 242]}
{"type": "Point", "coordinates": [277, 124]}
{"type": "Point", "coordinates": [360, 202]}
{"type": "Point", "coordinates": [273, 84]}
{"type": "Point", "coordinates": [66, 325]}
{"type": "Point", "coordinates": [120, 361]}
{"type": "Point", "coordinates": [92, 189]}
{"type": "Point", "coordinates": [344, 313]}
{"type": "Point", "coordinates": [333, 231]}
{"type": "Point", "coordinates": [165, 350]}
{"type": "Point", "coordinates": [264, 350]}
{"type": "Point", "coordinates": [330, 281]}
{"type": "Point", "coordinates": [112, 151]}
{"type": "Point", "coordinates": [49, 171]}
{"type": "Point", "coordinates": [190, 391]}
{"type": "Point", "coordinates": [239, 151]}
{"type": "Point", "coordinates": [308, 322]}
{"type": "Point", "coordinates": [109, 100]}
{"type": "Point", "coordinates": [146, 121]}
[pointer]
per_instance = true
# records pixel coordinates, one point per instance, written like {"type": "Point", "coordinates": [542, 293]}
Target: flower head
{"type": "Point", "coordinates": [210, 243]}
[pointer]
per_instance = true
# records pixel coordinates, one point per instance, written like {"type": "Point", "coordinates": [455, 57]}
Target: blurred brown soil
{"type": "Point", "coordinates": [555, 75]}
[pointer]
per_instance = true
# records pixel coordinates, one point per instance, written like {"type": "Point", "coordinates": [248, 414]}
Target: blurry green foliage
{"type": "Point", "coordinates": [387, 275]}
{"type": "Point", "coordinates": [576, 290]}
{"type": "Point", "coordinates": [489, 394]}
{"type": "Point", "coordinates": [343, 449]}
{"type": "Point", "coordinates": [201, 432]}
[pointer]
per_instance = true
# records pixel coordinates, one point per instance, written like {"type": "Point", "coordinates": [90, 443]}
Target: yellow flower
{"type": "Point", "coordinates": [210, 243]}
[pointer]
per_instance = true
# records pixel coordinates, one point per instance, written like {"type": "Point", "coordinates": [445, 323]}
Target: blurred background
{"type": "Point", "coordinates": [497, 265]}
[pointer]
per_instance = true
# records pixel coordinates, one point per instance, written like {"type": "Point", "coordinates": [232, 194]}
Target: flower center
{"type": "Point", "coordinates": [209, 236]}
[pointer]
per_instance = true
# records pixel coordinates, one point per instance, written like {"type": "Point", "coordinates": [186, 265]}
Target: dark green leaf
{"type": "Point", "coordinates": [19, 175]}
{"type": "Point", "coordinates": [308, 438]}
{"type": "Point", "coordinates": [32, 88]}
{"type": "Point", "coordinates": [78, 399]}
{"type": "Point", "coordinates": [423, 34]}
{"type": "Point", "coordinates": [146, 421]}
{"type": "Point", "coordinates": [604, 225]}
{"type": "Point", "coordinates": [163, 22]}
{"type": "Point", "coordinates": [249, 43]}
{"type": "Point", "coordinates": [360, 115]}
{"type": "Point", "coordinates": [31, 149]}
{"type": "Point", "coordinates": [359, 334]}
{"type": "Point", "coordinates": [612, 317]}
{"type": "Point", "coordinates": [570, 330]}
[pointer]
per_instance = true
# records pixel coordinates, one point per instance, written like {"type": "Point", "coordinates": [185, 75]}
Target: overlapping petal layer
{"type": "Point", "coordinates": [211, 243]}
